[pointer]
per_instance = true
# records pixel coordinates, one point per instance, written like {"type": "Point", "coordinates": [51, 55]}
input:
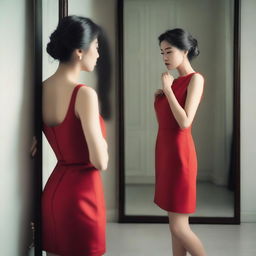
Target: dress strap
{"type": "Point", "coordinates": [74, 93]}
{"type": "Point", "coordinates": [73, 99]}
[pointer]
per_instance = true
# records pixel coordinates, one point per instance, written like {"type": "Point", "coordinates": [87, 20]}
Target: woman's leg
{"type": "Point", "coordinates": [177, 247]}
{"type": "Point", "coordinates": [180, 229]}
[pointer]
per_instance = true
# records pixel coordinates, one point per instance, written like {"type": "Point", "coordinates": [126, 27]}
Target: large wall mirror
{"type": "Point", "coordinates": [216, 128]}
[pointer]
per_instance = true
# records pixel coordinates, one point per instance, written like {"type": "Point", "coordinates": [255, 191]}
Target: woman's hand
{"type": "Point", "coordinates": [33, 148]}
{"type": "Point", "coordinates": [167, 80]}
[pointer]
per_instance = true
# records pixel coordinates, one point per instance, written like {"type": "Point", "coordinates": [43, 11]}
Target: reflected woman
{"type": "Point", "coordinates": [73, 206]}
{"type": "Point", "coordinates": [176, 162]}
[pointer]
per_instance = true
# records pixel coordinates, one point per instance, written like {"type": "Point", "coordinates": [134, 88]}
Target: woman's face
{"type": "Point", "coordinates": [90, 56]}
{"type": "Point", "coordinates": [172, 56]}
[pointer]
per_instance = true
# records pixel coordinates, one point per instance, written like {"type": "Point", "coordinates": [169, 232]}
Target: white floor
{"type": "Point", "coordinates": [154, 239]}
{"type": "Point", "coordinates": [212, 200]}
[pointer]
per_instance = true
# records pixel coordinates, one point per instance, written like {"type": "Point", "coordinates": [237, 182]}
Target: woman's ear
{"type": "Point", "coordinates": [186, 53]}
{"type": "Point", "coordinates": [78, 53]}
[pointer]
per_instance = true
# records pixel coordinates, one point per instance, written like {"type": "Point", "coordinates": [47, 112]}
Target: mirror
{"type": "Point", "coordinates": [215, 24]}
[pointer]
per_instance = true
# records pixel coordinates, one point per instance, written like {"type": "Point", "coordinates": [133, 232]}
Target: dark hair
{"type": "Point", "coordinates": [182, 40]}
{"type": "Point", "coordinates": [73, 32]}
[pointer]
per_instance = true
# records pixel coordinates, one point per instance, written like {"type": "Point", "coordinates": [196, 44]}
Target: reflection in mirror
{"type": "Point", "coordinates": [144, 21]}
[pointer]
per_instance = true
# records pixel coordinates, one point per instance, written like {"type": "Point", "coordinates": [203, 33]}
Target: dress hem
{"type": "Point", "coordinates": [98, 253]}
{"type": "Point", "coordinates": [175, 211]}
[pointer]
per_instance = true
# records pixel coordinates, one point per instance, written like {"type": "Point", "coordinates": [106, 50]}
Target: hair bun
{"type": "Point", "coordinates": [73, 32]}
{"type": "Point", "coordinates": [53, 46]}
{"type": "Point", "coordinates": [181, 39]}
{"type": "Point", "coordinates": [194, 50]}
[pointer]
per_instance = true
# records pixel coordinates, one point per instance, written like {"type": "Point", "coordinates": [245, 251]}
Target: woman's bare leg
{"type": "Point", "coordinates": [177, 247]}
{"type": "Point", "coordinates": [180, 229]}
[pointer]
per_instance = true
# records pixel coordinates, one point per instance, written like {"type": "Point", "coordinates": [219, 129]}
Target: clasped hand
{"type": "Point", "coordinates": [167, 80]}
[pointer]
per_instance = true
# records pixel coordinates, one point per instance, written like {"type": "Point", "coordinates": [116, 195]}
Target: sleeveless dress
{"type": "Point", "coordinates": [175, 155]}
{"type": "Point", "coordinates": [73, 206]}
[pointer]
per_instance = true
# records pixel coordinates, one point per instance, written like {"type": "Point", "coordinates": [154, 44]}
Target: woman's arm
{"type": "Point", "coordinates": [88, 111]}
{"type": "Point", "coordinates": [184, 116]}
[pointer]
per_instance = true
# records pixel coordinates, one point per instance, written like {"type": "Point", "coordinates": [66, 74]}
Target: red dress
{"type": "Point", "coordinates": [175, 156]}
{"type": "Point", "coordinates": [73, 206]}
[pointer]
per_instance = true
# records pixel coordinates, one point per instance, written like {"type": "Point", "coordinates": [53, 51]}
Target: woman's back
{"type": "Point", "coordinates": [66, 136]}
{"type": "Point", "coordinates": [61, 123]}
{"type": "Point", "coordinates": [73, 207]}
{"type": "Point", "coordinates": [56, 99]}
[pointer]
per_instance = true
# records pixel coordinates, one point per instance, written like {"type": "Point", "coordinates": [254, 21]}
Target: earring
{"type": "Point", "coordinates": [80, 57]}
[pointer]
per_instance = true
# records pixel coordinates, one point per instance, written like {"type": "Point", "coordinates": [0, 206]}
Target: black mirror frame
{"type": "Point", "coordinates": [123, 218]}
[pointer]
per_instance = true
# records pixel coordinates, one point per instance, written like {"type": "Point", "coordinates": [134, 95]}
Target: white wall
{"type": "Point", "coordinates": [16, 112]}
{"type": "Point", "coordinates": [248, 111]}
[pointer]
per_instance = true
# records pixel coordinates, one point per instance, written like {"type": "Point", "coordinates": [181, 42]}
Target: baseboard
{"type": "Point", "coordinates": [132, 180]}
{"type": "Point", "coordinates": [248, 216]}
{"type": "Point", "coordinates": [150, 180]}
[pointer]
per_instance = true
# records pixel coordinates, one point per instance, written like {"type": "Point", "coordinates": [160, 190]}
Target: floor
{"type": "Point", "coordinates": [212, 200]}
{"type": "Point", "coordinates": [154, 239]}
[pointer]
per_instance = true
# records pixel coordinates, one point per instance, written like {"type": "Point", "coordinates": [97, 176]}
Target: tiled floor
{"type": "Point", "coordinates": [154, 239]}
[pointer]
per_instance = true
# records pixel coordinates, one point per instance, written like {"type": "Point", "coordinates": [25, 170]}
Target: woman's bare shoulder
{"type": "Point", "coordinates": [86, 91]}
{"type": "Point", "coordinates": [196, 83]}
{"type": "Point", "coordinates": [86, 97]}
{"type": "Point", "coordinates": [197, 77]}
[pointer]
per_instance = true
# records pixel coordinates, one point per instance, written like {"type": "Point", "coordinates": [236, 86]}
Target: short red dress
{"type": "Point", "coordinates": [73, 206]}
{"type": "Point", "coordinates": [175, 156]}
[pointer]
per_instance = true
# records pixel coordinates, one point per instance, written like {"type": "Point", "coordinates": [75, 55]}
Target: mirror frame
{"type": "Point", "coordinates": [37, 102]}
{"type": "Point", "coordinates": [123, 217]}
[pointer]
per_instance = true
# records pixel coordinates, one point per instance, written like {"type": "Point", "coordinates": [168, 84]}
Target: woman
{"type": "Point", "coordinates": [73, 207]}
{"type": "Point", "coordinates": [176, 164]}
